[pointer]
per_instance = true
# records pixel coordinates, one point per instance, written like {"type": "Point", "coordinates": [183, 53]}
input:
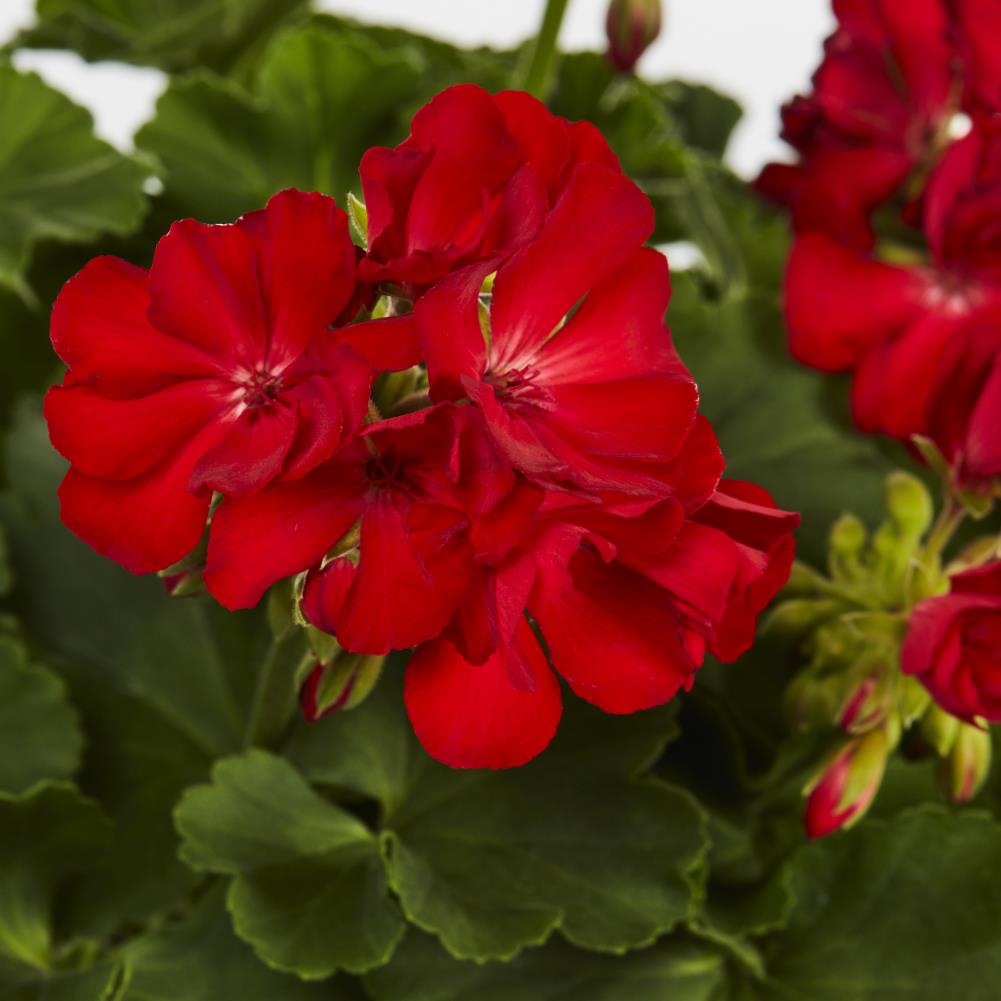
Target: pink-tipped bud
{"type": "Point", "coordinates": [632, 26]}
{"type": "Point", "coordinates": [965, 769]}
{"type": "Point", "coordinates": [343, 683]}
{"type": "Point", "coordinates": [866, 706]}
{"type": "Point", "coordinates": [844, 789]}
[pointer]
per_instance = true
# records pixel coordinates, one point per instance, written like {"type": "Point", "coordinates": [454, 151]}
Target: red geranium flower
{"type": "Point", "coordinates": [474, 179]}
{"type": "Point", "coordinates": [565, 400]}
{"type": "Point", "coordinates": [882, 99]}
{"type": "Point", "coordinates": [648, 592]}
{"type": "Point", "coordinates": [953, 644]}
{"type": "Point", "coordinates": [891, 324]}
{"type": "Point", "coordinates": [213, 371]}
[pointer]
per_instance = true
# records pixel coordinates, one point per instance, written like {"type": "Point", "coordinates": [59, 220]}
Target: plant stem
{"type": "Point", "coordinates": [537, 78]}
{"type": "Point", "coordinates": [274, 699]}
{"type": "Point", "coordinates": [948, 520]}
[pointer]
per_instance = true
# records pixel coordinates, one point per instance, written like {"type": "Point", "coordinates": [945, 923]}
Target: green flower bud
{"type": "Point", "coordinates": [909, 504]}
{"type": "Point", "coordinates": [965, 769]}
{"type": "Point", "coordinates": [344, 683]}
{"type": "Point", "coordinates": [939, 729]}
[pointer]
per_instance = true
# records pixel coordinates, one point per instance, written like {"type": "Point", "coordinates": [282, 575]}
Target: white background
{"type": "Point", "coordinates": [760, 51]}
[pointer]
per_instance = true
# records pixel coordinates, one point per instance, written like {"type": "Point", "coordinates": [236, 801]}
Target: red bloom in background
{"type": "Point", "coordinates": [474, 180]}
{"type": "Point", "coordinates": [213, 371]}
{"type": "Point", "coordinates": [964, 409]}
{"type": "Point", "coordinates": [892, 324]}
{"type": "Point", "coordinates": [565, 401]}
{"type": "Point", "coordinates": [977, 34]}
{"type": "Point", "coordinates": [881, 100]}
{"type": "Point", "coordinates": [953, 644]}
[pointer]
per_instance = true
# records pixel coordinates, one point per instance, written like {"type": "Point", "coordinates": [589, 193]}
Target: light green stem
{"type": "Point", "coordinates": [537, 78]}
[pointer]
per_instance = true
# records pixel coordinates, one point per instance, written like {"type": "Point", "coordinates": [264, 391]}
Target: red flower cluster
{"type": "Point", "coordinates": [953, 644]}
{"type": "Point", "coordinates": [554, 478]}
{"type": "Point", "coordinates": [903, 119]}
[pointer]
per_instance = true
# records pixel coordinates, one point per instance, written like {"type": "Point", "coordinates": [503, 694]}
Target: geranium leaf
{"type": "Point", "coordinates": [164, 687]}
{"type": "Point", "coordinates": [58, 181]}
{"type": "Point", "coordinates": [319, 100]}
{"type": "Point", "coordinates": [40, 734]}
{"type": "Point", "coordinates": [175, 35]}
{"type": "Point", "coordinates": [198, 958]}
{"type": "Point", "coordinates": [908, 908]}
{"type": "Point", "coordinates": [779, 424]}
{"type": "Point", "coordinates": [308, 890]}
{"type": "Point", "coordinates": [679, 970]}
{"type": "Point", "coordinates": [494, 861]}
{"type": "Point", "coordinates": [46, 835]}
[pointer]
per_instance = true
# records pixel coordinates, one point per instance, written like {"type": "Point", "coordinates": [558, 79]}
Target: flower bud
{"type": "Point", "coordinates": [867, 704]}
{"type": "Point", "coordinates": [939, 729]}
{"type": "Point", "coordinates": [965, 769]}
{"type": "Point", "coordinates": [631, 26]}
{"type": "Point", "coordinates": [811, 701]}
{"type": "Point", "coordinates": [909, 504]}
{"type": "Point", "coordinates": [342, 684]}
{"type": "Point", "coordinates": [845, 787]}
{"type": "Point", "coordinates": [798, 616]}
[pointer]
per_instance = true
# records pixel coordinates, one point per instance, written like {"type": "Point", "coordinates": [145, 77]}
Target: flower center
{"type": "Point", "coordinates": [260, 388]}
{"type": "Point", "coordinates": [384, 471]}
{"type": "Point", "coordinates": [518, 390]}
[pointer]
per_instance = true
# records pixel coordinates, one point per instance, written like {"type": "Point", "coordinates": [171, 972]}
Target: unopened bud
{"type": "Point", "coordinates": [631, 26]}
{"type": "Point", "coordinates": [939, 729]}
{"type": "Point", "coordinates": [965, 769]}
{"type": "Point", "coordinates": [843, 790]}
{"type": "Point", "coordinates": [342, 684]}
{"type": "Point", "coordinates": [811, 701]}
{"type": "Point", "coordinates": [912, 699]}
{"type": "Point", "coordinates": [909, 504]}
{"type": "Point", "coordinates": [798, 616]}
{"type": "Point", "coordinates": [867, 704]}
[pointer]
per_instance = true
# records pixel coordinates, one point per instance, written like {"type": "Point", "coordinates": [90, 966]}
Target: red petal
{"type": "Point", "coordinates": [205, 289]}
{"type": "Point", "coordinates": [306, 268]}
{"type": "Point", "coordinates": [413, 569]}
{"type": "Point", "coordinates": [839, 304]}
{"type": "Point", "coordinates": [388, 345]}
{"type": "Point", "coordinates": [448, 323]}
{"type": "Point", "coordinates": [144, 524]}
{"type": "Point", "coordinates": [121, 439]}
{"type": "Point", "coordinates": [598, 223]}
{"type": "Point", "coordinates": [474, 717]}
{"type": "Point", "coordinates": [283, 530]}
{"type": "Point", "coordinates": [100, 330]}
{"type": "Point", "coordinates": [251, 454]}
{"type": "Point", "coordinates": [612, 634]}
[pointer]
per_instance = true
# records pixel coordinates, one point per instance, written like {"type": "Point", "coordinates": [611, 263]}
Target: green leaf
{"type": "Point", "coordinates": [172, 34]}
{"type": "Point", "coordinates": [319, 101]}
{"type": "Point", "coordinates": [909, 909]}
{"type": "Point", "coordinates": [40, 734]}
{"type": "Point", "coordinates": [705, 117]}
{"type": "Point", "coordinates": [46, 835]}
{"type": "Point", "coordinates": [494, 861]}
{"type": "Point", "coordinates": [164, 687]}
{"type": "Point", "coordinates": [58, 181]}
{"type": "Point", "coordinates": [6, 573]}
{"type": "Point", "coordinates": [671, 970]}
{"type": "Point", "coordinates": [198, 958]}
{"type": "Point", "coordinates": [779, 424]}
{"type": "Point", "coordinates": [309, 890]}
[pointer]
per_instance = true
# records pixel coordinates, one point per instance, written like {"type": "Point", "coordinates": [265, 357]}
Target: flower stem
{"type": "Point", "coordinates": [948, 520]}
{"type": "Point", "coordinates": [274, 699]}
{"type": "Point", "coordinates": [537, 78]}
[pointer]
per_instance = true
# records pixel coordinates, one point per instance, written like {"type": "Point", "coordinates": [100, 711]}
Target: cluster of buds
{"type": "Point", "coordinates": [851, 625]}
